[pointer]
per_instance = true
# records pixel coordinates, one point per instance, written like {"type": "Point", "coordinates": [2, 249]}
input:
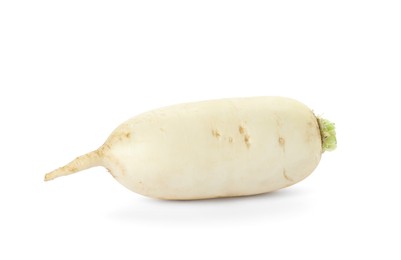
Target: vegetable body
{"type": "Point", "coordinates": [209, 149]}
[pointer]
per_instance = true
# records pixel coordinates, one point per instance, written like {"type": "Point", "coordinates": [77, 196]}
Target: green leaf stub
{"type": "Point", "coordinates": [328, 134]}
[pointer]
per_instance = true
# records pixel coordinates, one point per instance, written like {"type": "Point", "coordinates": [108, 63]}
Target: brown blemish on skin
{"type": "Point", "coordinates": [247, 140]}
{"type": "Point", "coordinates": [247, 137]}
{"type": "Point", "coordinates": [119, 135]}
{"type": "Point", "coordinates": [216, 133]}
{"type": "Point", "coordinates": [281, 141]}
{"type": "Point", "coordinates": [286, 176]}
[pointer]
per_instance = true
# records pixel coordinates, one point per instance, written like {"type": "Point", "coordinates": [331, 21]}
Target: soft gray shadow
{"type": "Point", "coordinates": [287, 203]}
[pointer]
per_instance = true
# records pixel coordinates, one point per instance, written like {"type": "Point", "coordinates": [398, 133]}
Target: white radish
{"type": "Point", "coordinates": [210, 149]}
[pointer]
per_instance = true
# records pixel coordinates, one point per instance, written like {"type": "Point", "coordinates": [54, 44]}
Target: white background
{"type": "Point", "coordinates": [71, 71]}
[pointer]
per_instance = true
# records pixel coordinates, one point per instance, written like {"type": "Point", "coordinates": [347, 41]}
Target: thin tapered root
{"type": "Point", "coordinates": [83, 162]}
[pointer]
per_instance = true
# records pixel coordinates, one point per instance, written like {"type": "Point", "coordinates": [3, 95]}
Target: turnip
{"type": "Point", "coordinates": [210, 149]}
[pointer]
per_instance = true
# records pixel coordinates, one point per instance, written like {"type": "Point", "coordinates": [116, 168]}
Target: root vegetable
{"type": "Point", "coordinates": [209, 149]}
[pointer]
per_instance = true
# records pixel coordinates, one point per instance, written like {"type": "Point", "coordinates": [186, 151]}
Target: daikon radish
{"type": "Point", "coordinates": [210, 149]}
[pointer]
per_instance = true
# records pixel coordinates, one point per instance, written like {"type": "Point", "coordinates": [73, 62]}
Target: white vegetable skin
{"type": "Point", "coordinates": [210, 149]}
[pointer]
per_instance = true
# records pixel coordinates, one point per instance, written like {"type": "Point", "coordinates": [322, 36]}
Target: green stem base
{"type": "Point", "coordinates": [328, 134]}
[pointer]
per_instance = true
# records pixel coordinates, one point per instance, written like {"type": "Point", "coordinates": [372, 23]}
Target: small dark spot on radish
{"type": "Point", "coordinates": [241, 130]}
{"type": "Point", "coordinates": [281, 141]}
{"type": "Point", "coordinates": [247, 140]}
{"type": "Point", "coordinates": [216, 133]}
